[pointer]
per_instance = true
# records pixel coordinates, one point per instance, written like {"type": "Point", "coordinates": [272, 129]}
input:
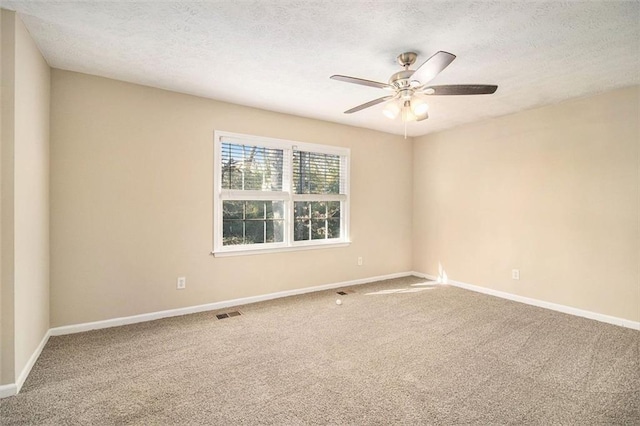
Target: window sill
{"type": "Point", "coordinates": [251, 252]}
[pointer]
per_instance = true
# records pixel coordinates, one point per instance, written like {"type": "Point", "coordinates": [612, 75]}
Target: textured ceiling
{"type": "Point", "coordinates": [278, 55]}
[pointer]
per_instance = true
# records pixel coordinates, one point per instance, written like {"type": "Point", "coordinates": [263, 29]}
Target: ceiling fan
{"type": "Point", "coordinates": [409, 86]}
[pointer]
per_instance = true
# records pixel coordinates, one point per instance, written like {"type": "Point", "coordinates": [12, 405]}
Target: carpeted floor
{"type": "Point", "coordinates": [396, 352]}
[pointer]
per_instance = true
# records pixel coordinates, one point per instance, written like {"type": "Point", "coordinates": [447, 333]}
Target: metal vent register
{"type": "Point", "coordinates": [228, 315]}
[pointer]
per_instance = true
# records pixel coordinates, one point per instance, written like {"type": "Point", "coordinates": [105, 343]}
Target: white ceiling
{"type": "Point", "coordinates": [278, 54]}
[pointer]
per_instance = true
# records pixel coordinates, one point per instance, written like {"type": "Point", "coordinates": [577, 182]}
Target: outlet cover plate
{"type": "Point", "coordinates": [182, 283]}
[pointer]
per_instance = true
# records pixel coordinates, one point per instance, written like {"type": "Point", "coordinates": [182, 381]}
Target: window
{"type": "Point", "coordinates": [275, 195]}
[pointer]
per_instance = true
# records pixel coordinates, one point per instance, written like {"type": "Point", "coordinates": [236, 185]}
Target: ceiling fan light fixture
{"type": "Point", "coordinates": [410, 87]}
{"type": "Point", "coordinates": [419, 107]}
{"type": "Point", "coordinates": [391, 111]}
{"type": "Point", "coordinates": [422, 117]}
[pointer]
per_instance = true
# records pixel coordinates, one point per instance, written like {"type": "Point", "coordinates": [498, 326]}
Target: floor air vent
{"type": "Point", "coordinates": [228, 315]}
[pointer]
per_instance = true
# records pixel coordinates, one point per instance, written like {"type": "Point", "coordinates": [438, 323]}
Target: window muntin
{"type": "Point", "coordinates": [275, 194]}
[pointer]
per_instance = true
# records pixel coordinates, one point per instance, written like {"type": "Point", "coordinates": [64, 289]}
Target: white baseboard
{"type": "Point", "coordinates": [8, 390]}
{"type": "Point", "coordinates": [32, 360]}
{"type": "Point", "coordinates": [115, 322]}
{"type": "Point", "coordinates": [540, 303]}
{"type": "Point", "coordinates": [13, 388]}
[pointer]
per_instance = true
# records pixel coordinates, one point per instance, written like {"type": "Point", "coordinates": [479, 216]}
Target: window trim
{"type": "Point", "coordinates": [287, 195]}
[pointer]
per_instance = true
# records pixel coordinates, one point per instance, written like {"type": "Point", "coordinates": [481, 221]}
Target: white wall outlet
{"type": "Point", "coordinates": [515, 274]}
{"type": "Point", "coordinates": [182, 283]}
{"type": "Point", "coordinates": [359, 260]}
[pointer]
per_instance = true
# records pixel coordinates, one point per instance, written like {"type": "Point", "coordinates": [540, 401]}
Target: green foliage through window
{"type": "Point", "coordinates": [316, 220]}
{"type": "Point", "coordinates": [252, 222]}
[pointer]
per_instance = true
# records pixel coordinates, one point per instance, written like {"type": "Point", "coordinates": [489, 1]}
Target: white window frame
{"type": "Point", "coordinates": [286, 195]}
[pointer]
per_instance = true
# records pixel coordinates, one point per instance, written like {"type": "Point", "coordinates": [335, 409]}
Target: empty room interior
{"type": "Point", "coordinates": [320, 212]}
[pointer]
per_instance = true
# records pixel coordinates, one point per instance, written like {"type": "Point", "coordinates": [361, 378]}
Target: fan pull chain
{"type": "Point", "coordinates": [405, 130]}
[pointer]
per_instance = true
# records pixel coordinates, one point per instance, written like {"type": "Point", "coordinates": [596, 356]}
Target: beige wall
{"type": "Point", "coordinates": [32, 79]}
{"type": "Point", "coordinates": [553, 191]}
{"type": "Point", "coordinates": [25, 199]}
{"type": "Point", "coordinates": [1, 117]}
{"type": "Point", "coordinates": [131, 202]}
{"type": "Point", "coordinates": [7, 366]}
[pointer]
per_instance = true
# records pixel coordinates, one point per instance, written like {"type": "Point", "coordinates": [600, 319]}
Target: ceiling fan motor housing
{"type": "Point", "coordinates": [401, 79]}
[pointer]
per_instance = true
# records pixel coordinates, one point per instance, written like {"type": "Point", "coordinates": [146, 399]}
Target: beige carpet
{"type": "Point", "coordinates": [396, 352]}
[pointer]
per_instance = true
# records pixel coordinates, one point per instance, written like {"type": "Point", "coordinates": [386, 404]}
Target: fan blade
{"type": "Point", "coordinates": [432, 67]}
{"type": "Point", "coordinates": [460, 89]}
{"type": "Point", "coordinates": [361, 81]}
{"type": "Point", "coordinates": [368, 104]}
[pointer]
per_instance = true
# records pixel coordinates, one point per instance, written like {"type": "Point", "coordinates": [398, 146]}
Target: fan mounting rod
{"type": "Point", "coordinates": [402, 79]}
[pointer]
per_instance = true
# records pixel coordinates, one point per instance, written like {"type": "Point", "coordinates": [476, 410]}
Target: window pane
{"type": "Point", "coordinates": [255, 230]}
{"type": "Point", "coordinates": [252, 222]}
{"type": "Point", "coordinates": [333, 219]}
{"type": "Point", "coordinates": [275, 231]}
{"type": "Point", "coordinates": [275, 210]}
{"type": "Point", "coordinates": [301, 230]}
{"type": "Point", "coordinates": [318, 221]}
{"type": "Point", "coordinates": [333, 210]}
{"type": "Point", "coordinates": [255, 209]}
{"type": "Point", "coordinates": [301, 225]}
{"type": "Point", "coordinates": [232, 232]}
{"type": "Point", "coordinates": [247, 167]}
{"type": "Point", "coordinates": [333, 230]}
{"type": "Point", "coordinates": [318, 229]}
{"type": "Point", "coordinates": [319, 210]}
{"type": "Point", "coordinates": [301, 210]}
{"type": "Point", "coordinates": [316, 173]}
{"type": "Point", "coordinates": [233, 209]}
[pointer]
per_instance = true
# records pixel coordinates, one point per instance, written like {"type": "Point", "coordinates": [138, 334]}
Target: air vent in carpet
{"type": "Point", "coordinates": [228, 315]}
